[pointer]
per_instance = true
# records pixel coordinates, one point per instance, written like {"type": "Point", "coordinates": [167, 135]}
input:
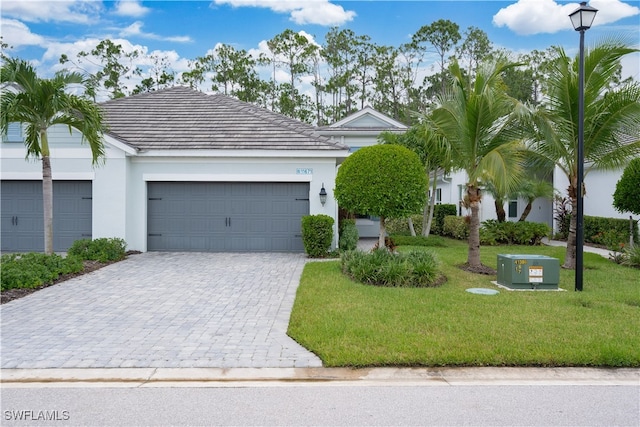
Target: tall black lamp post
{"type": "Point", "coordinates": [581, 18]}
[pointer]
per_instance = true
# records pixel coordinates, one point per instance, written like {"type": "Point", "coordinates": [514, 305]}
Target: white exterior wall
{"type": "Point", "coordinates": [599, 187]}
{"type": "Point", "coordinates": [119, 190]}
{"type": "Point", "coordinates": [233, 169]}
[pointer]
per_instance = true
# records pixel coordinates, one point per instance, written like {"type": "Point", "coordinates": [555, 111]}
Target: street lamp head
{"type": "Point", "coordinates": [583, 17]}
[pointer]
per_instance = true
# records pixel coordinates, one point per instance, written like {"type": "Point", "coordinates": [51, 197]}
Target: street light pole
{"type": "Point", "coordinates": [581, 18]}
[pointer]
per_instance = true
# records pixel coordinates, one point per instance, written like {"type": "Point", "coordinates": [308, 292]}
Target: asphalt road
{"type": "Point", "coordinates": [345, 404]}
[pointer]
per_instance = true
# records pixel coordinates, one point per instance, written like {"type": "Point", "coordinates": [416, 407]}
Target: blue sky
{"type": "Point", "coordinates": [182, 30]}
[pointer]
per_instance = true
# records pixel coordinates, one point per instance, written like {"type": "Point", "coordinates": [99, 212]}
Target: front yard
{"type": "Point", "coordinates": [349, 324]}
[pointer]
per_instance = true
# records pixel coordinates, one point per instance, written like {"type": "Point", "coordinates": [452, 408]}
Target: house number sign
{"type": "Point", "coordinates": [304, 171]}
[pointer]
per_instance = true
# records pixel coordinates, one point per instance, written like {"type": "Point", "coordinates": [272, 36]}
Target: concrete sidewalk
{"type": "Point", "coordinates": [604, 252]}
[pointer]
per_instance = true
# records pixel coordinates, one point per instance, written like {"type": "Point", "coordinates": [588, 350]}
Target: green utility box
{"type": "Point", "coordinates": [528, 271]}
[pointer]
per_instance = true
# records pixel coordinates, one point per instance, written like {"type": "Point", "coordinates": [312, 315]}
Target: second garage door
{"type": "Point", "coordinates": [226, 216]}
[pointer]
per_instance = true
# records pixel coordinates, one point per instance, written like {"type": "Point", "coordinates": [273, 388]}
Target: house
{"type": "Point", "coordinates": [362, 129]}
{"type": "Point", "coordinates": [184, 171]}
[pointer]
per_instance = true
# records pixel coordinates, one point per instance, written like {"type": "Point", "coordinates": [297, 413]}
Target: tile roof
{"type": "Point", "coordinates": [182, 118]}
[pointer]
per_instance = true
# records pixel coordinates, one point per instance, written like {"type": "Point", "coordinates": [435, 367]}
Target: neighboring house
{"type": "Point", "coordinates": [184, 171]}
{"type": "Point", "coordinates": [358, 130]}
{"type": "Point", "coordinates": [362, 129]}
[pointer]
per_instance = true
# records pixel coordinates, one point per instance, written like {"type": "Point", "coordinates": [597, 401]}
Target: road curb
{"type": "Point", "coordinates": [425, 376]}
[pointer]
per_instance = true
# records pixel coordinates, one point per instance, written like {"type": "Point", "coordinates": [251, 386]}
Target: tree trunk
{"type": "Point", "coordinates": [500, 213]}
{"type": "Point", "coordinates": [630, 232]}
{"type": "Point", "coordinates": [570, 257]}
{"type": "Point", "coordinates": [432, 205]}
{"type": "Point", "coordinates": [525, 213]}
{"type": "Point", "coordinates": [383, 233]}
{"type": "Point", "coordinates": [411, 228]}
{"type": "Point", "coordinates": [47, 204]}
{"type": "Point", "coordinates": [473, 258]}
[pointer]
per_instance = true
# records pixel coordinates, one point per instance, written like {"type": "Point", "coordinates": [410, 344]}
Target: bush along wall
{"type": "Point", "coordinates": [493, 232]}
{"type": "Point", "coordinates": [456, 227]}
{"type": "Point", "coordinates": [613, 233]}
{"type": "Point", "coordinates": [317, 234]}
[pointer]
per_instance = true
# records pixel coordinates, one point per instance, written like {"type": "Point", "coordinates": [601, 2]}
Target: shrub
{"type": "Point", "coordinates": [348, 235]}
{"type": "Point", "coordinates": [383, 268]}
{"type": "Point", "coordinates": [609, 232]}
{"type": "Point", "coordinates": [493, 232]}
{"type": "Point", "coordinates": [432, 241]}
{"type": "Point", "coordinates": [632, 256]}
{"type": "Point", "coordinates": [400, 226]}
{"type": "Point", "coordinates": [456, 227]}
{"type": "Point", "coordinates": [102, 249]}
{"type": "Point", "coordinates": [439, 213]}
{"type": "Point", "coordinates": [35, 269]}
{"type": "Point", "coordinates": [317, 234]}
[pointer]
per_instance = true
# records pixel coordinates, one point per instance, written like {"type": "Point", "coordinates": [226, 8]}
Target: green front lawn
{"type": "Point", "coordinates": [349, 324]}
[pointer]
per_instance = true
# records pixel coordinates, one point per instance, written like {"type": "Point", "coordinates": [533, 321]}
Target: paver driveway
{"type": "Point", "coordinates": [162, 310]}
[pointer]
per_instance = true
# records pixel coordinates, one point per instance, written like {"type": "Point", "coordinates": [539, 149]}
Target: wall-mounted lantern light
{"type": "Point", "coordinates": [323, 195]}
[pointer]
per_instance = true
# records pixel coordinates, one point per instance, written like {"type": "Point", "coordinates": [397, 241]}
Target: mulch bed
{"type": "Point", "coordinates": [89, 266]}
{"type": "Point", "coordinates": [483, 269]}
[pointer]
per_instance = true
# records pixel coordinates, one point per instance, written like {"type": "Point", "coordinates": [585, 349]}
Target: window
{"type": "Point", "coordinates": [14, 133]}
{"type": "Point", "coordinates": [438, 195]}
{"type": "Point", "coordinates": [513, 208]}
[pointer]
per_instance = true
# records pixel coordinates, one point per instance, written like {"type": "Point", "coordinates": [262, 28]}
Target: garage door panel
{"type": "Point", "coordinates": [221, 216]}
{"type": "Point", "coordinates": [22, 214]}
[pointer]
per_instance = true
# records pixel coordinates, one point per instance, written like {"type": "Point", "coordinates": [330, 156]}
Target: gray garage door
{"type": "Point", "coordinates": [22, 217]}
{"type": "Point", "coordinates": [226, 216]}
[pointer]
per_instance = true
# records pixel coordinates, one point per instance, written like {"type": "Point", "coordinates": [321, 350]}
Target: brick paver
{"type": "Point", "coordinates": [162, 310]}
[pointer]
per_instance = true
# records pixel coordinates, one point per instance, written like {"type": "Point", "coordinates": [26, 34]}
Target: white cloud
{"type": "Point", "coordinates": [135, 29]}
{"type": "Point", "coordinates": [131, 8]}
{"type": "Point", "coordinates": [17, 34]}
{"type": "Point", "coordinates": [546, 16]}
{"type": "Point", "coordinates": [76, 11]}
{"type": "Point", "coordinates": [321, 12]}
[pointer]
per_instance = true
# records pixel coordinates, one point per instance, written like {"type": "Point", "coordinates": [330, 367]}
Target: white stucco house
{"type": "Point", "coordinates": [184, 171]}
{"type": "Point", "coordinates": [362, 129]}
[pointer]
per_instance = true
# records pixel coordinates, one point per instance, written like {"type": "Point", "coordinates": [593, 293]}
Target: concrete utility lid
{"type": "Point", "coordinates": [483, 291]}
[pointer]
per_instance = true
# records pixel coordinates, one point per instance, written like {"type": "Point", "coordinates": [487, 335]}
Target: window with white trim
{"type": "Point", "coordinates": [14, 133]}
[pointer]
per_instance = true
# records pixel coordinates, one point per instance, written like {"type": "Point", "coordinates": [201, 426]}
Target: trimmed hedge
{"type": "Point", "coordinates": [493, 232]}
{"type": "Point", "coordinates": [456, 227]}
{"type": "Point", "coordinates": [400, 226]}
{"type": "Point", "coordinates": [384, 268]}
{"type": "Point", "coordinates": [439, 214]}
{"type": "Point", "coordinates": [613, 233]}
{"type": "Point", "coordinates": [317, 234]}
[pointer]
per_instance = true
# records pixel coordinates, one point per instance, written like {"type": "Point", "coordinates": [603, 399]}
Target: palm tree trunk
{"type": "Point", "coordinates": [473, 258]}
{"type": "Point", "coordinates": [525, 213]}
{"type": "Point", "coordinates": [47, 204]}
{"type": "Point", "coordinates": [500, 213]}
{"type": "Point", "coordinates": [570, 256]}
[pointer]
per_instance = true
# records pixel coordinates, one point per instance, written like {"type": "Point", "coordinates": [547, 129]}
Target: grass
{"type": "Point", "coordinates": [350, 324]}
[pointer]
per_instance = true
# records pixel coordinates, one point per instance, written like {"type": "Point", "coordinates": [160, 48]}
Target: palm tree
{"type": "Point", "coordinates": [611, 119]}
{"type": "Point", "coordinates": [39, 104]}
{"type": "Point", "coordinates": [530, 190]}
{"type": "Point", "coordinates": [479, 121]}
